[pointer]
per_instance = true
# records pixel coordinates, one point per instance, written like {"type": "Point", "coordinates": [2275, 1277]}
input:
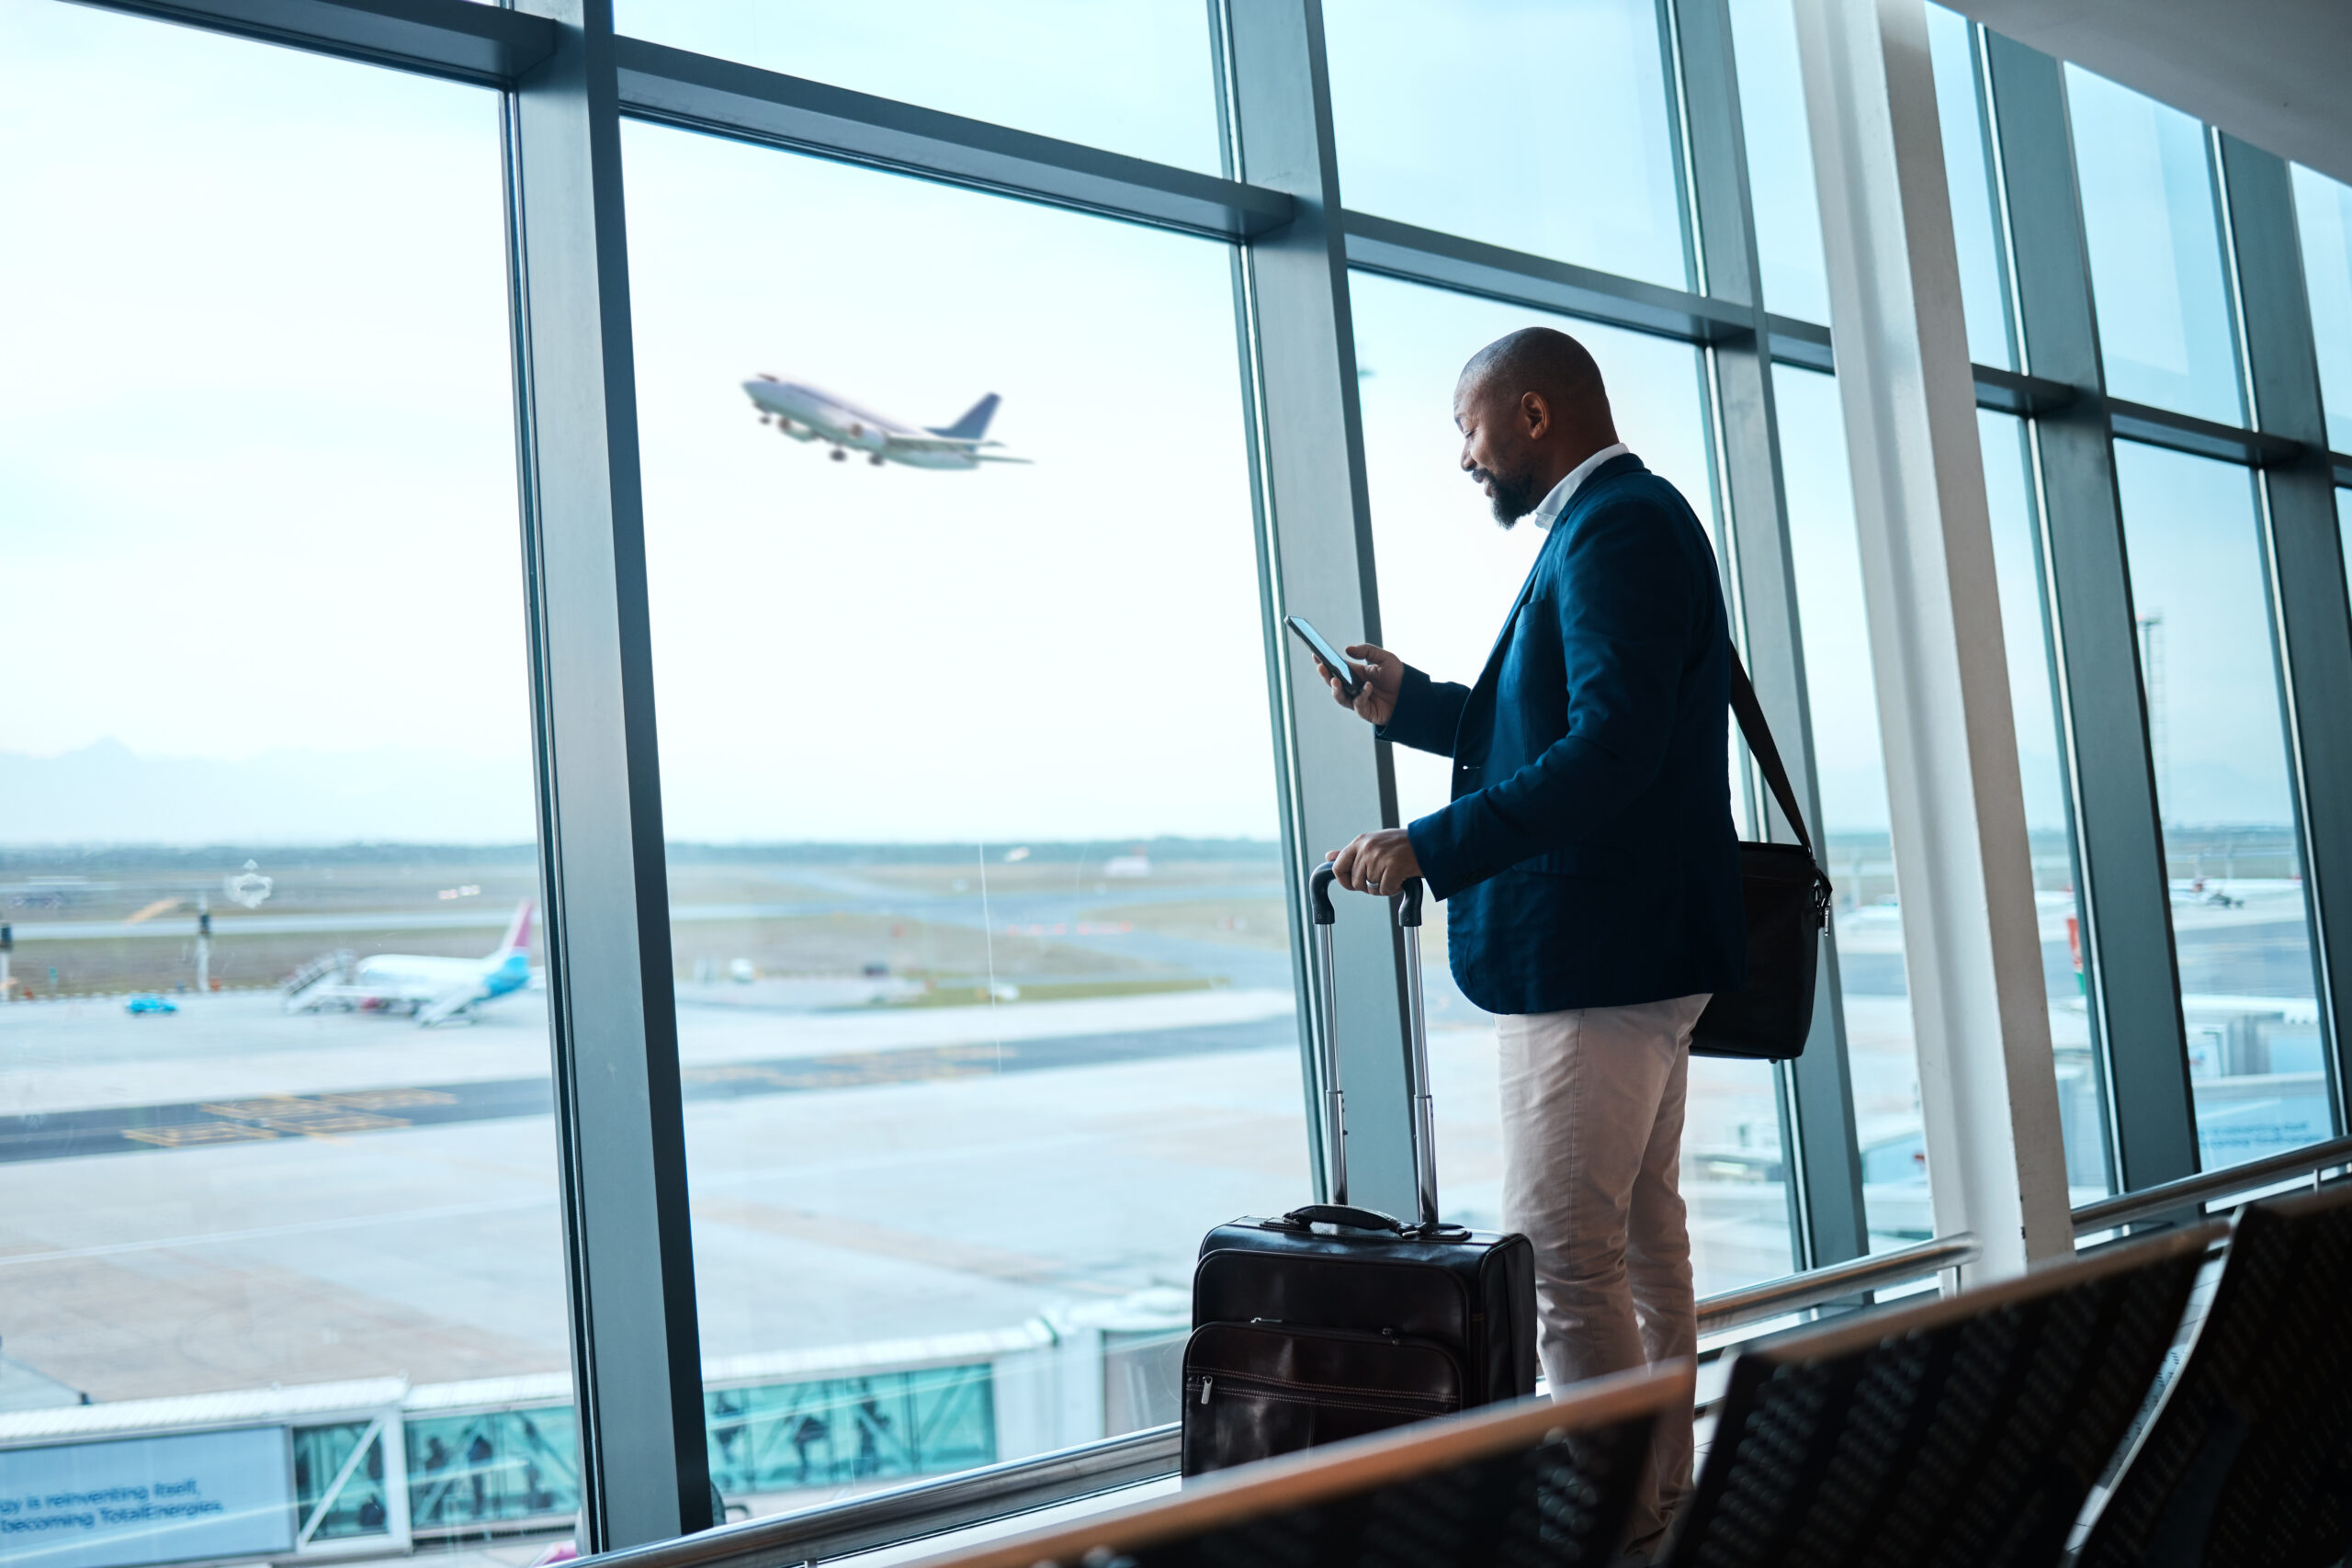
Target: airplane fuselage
{"type": "Point", "coordinates": [498, 978]}
{"type": "Point", "coordinates": [806, 413]}
{"type": "Point", "coordinates": [809, 414]}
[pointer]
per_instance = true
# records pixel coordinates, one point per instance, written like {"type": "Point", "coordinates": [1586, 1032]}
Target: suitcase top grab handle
{"type": "Point", "coordinates": [1407, 905]}
{"type": "Point", "coordinates": [1346, 1214]}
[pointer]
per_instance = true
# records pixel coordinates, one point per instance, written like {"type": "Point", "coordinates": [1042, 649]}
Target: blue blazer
{"type": "Point", "coordinates": [1589, 857]}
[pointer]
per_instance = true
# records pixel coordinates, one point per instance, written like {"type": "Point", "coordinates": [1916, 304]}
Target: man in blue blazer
{"type": "Point", "coordinates": [1589, 865]}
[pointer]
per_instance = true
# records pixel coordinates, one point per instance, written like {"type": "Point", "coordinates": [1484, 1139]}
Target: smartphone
{"type": "Point", "coordinates": [1327, 653]}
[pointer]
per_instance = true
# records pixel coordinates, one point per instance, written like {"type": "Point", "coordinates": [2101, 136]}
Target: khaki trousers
{"type": "Point", "coordinates": [1592, 1140]}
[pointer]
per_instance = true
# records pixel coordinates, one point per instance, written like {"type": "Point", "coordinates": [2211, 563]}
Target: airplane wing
{"type": "Point", "coordinates": [963, 445]}
{"type": "Point", "coordinates": [925, 442]}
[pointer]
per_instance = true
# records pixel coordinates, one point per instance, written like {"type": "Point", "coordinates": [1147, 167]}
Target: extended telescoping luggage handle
{"type": "Point", "coordinates": [1406, 905]}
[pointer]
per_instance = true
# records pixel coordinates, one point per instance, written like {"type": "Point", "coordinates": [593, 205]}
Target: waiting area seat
{"type": "Point", "coordinates": [1969, 1431]}
{"type": "Point", "coordinates": [2249, 1461]}
{"type": "Point", "coordinates": [1966, 1432]}
{"type": "Point", "coordinates": [1532, 1484]}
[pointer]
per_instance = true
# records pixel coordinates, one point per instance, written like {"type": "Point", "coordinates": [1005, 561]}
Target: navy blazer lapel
{"type": "Point", "coordinates": [1586, 496]}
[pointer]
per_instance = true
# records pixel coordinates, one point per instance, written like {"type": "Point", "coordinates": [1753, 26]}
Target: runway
{"type": "Point", "coordinates": [188, 1125]}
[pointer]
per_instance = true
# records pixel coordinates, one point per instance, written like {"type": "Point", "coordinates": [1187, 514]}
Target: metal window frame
{"type": "Point", "coordinates": [2129, 969]}
{"type": "Point", "coordinates": [569, 83]}
{"type": "Point", "coordinates": [2302, 554]}
{"type": "Point", "coordinates": [620, 1123]}
{"type": "Point", "coordinates": [1820, 1138]}
{"type": "Point", "coordinates": [1298, 337]}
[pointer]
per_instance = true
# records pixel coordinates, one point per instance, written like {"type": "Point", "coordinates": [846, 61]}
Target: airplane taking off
{"type": "Point", "coordinates": [431, 991]}
{"type": "Point", "coordinates": [809, 414]}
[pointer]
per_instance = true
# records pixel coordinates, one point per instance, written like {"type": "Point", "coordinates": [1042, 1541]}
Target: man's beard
{"type": "Point", "coordinates": [1511, 499]}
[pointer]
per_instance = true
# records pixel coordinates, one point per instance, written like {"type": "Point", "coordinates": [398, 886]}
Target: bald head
{"type": "Point", "coordinates": [1530, 407]}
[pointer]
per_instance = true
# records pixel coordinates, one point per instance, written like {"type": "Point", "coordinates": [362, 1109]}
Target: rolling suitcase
{"type": "Point", "coordinates": [1335, 1321]}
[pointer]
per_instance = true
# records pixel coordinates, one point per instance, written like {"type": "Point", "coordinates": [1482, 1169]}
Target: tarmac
{"type": "Point", "coordinates": [230, 1197]}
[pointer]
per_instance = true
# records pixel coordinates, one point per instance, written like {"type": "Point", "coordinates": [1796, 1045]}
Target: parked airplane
{"type": "Point", "coordinates": [810, 413]}
{"type": "Point", "coordinates": [431, 990]}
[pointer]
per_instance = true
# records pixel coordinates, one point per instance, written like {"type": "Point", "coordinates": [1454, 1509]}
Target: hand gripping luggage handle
{"type": "Point", "coordinates": [1407, 906]}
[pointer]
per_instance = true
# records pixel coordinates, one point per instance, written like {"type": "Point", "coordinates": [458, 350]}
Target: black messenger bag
{"type": "Point", "coordinates": [1788, 908]}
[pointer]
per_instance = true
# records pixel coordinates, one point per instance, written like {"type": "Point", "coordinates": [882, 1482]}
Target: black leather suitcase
{"type": "Point", "coordinates": [1333, 1320]}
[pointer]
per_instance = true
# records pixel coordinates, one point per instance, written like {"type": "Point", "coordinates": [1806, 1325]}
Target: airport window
{"type": "Point", "coordinates": [278, 1115]}
{"type": "Point", "coordinates": [1429, 109]}
{"type": "Point", "coordinates": [1137, 78]}
{"type": "Point", "coordinates": [1857, 843]}
{"type": "Point", "coordinates": [1959, 112]}
{"type": "Point", "coordinates": [2241, 926]}
{"type": "Point", "coordinates": [1448, 576]}
{"type": "Point", "coordinates": [2156, 251]}
{"type": "Point", "coordinates": [2048, 817]}
{"type": "Point", "coordinates": [1780, 159]}
{"type": "Point", "coordinates": [2324, 218]}
{"type": "Point", "coordinates": [983, 963]}
{"type": "Point", "coordinates": [2344, 529]}
{"type": "Point", "coordinates": [984, 986]}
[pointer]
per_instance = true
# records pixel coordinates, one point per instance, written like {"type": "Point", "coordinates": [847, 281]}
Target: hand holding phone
{"type": "Point", "coordinates": [1331, 657]}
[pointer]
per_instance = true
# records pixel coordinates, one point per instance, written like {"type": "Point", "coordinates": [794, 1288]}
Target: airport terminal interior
{"type": "Point", "coordinates": [604, 932]}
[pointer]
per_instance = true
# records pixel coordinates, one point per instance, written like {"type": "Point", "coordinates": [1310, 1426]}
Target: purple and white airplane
{"type": "Point", "coordinates": [810, 413]}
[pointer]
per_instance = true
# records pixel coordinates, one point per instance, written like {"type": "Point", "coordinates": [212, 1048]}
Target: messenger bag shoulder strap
{"type": "Point", "coordinates": [1760, 745]}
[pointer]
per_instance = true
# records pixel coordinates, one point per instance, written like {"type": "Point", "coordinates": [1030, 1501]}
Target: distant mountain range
{"type": "Point", "coordinates": [106, 793]}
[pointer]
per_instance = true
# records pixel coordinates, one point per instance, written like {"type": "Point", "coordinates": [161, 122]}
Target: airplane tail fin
{"type": "Point", "coordinates": [518, 930]}
{"type": "Point", "coordinates": [974, 422]}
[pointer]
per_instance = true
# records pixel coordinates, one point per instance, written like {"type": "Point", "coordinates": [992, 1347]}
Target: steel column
{"type": "Point", "coordinates": [620, 1129]}
{"type": "Point", "coordinates": [2303, 550]}
{"type": "Point", "coordinates": [1988, 1090]}
{"type": "Point", "coordinates": [2134, 981]}
{"type": "Point", "coordinates": [1822, 1153]}
{"type": "Point", "coordinates": [1292, 297]}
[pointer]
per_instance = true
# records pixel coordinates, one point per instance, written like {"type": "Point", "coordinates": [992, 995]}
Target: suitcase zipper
{"type": "Point", "coordinates": [1404, 1404]}
{"type": "Point", "coordinates": [1384, 1336]}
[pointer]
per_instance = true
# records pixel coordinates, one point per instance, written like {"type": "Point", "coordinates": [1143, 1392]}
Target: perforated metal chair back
{"type": "Point", "coordinates": [1965, 1432]}
{"type": "Point", "coordinates": [1533, 1484]}
{"type": "Point", "coordinates": [2249, 1459]}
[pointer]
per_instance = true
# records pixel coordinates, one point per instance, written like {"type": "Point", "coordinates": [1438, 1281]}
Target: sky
{"type": "Point", "coordinates": [256, 445]}
{"type": "Point", "coordinates": [1431, 105]}
{"type": "Point", "coordinates": [1134, 78]}
{"type": "Point", "coordinates": [2196, 555]}
{"type": "Point", "coordinates": [2155, 249]}
{"type": "Point", "coordinates": [1069, 648]}
{"type": "Point", "coordinates": [256, 449]}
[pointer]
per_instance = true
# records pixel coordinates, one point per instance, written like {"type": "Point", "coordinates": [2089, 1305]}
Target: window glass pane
{"type": "Point", "coordinates": [1135, 77]}
{"type": "Point", "coordinates": [1856, 843]}
{"type": "Point", "coordinates": [1429, 105]}
{"type": "Point", "coordinates": [2239, 922]}
{"type": "Point", "coordinates": [1959, 112]}
{"type": "Point", "coordinates": [2323, 214]}
{"type": "Point", "coordinates": [262, 551]}
{"type": "Point", "coordinates": [2155, 249]}
{"type": "Point", "coordinates": [2049, 823]}
{"type": "Point", "coordinates": [1448, 576]}
{"type": "Point", "coordinates": [1780, 159]}
{"type": "Point", "coordinates": [984, 984]}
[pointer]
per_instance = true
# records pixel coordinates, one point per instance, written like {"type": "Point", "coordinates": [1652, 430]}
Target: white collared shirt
{"type": "Point", "coordinates": [1547, 511]}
